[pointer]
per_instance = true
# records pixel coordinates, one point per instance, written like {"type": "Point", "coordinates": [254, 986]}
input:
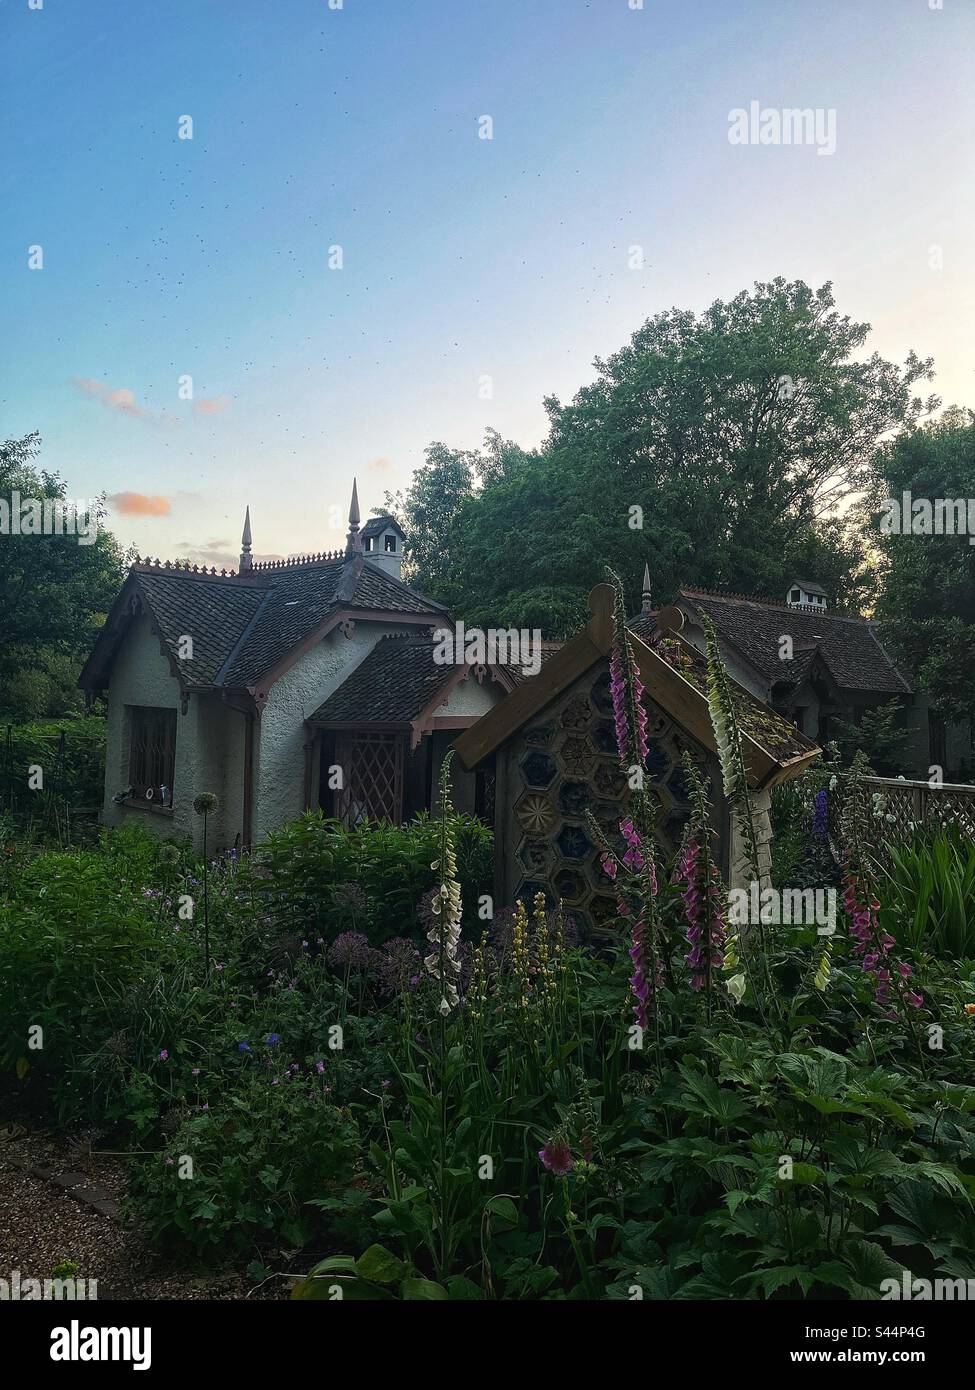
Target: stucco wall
{"type": "Point", "coordinates": [279, 772]}
{"type": "Point", "coordinates": [471, 696]}
{"type": "Point", "coordinates": [141, 676]}
{"type": "Point", "coordinates": [209, 746]}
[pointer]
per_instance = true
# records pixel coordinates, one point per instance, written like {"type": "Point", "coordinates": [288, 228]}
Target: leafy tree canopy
{"type": "Point", "coordinates": [54, 594]}
{"type": "Point", "coordinates": [928, 597]}
{"type": "Point", "coordinates": [715, 447]}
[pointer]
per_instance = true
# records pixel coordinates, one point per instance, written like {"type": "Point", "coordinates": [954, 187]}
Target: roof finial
{"type": "Point", "coordinates": [353, 544]}
{"type": "Point", "coordinates": [647, 604]}
{"type": "Point", "coordinates": [246, 562]}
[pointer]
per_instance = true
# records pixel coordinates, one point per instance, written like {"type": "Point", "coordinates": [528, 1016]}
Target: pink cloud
{"type": "Point", "coordinates": [114, 398]}
{"type": "Point", "coordinates": [139, 504]}
{"type": "Point", "coordinates": [212, 407]}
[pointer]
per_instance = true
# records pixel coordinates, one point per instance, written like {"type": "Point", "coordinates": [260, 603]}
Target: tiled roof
{"type": "Point", "coordinates": [212, 612]}
{"type": "Point", "coordinates": [758, 719]}
{"type": "Point", "coordinates": [392, 684]}
{"type": "Point", "coordinates": [243, 625]}
{"type": "Point", "coordinates": [850, 647]}
{"type": "Point", "coordinates": [377, 524]}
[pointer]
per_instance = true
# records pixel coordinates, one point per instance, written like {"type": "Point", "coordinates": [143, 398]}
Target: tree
{"type": "Point", "coordinates": [716, 448]}
{"type": "Point", "coordinates": [928, 581]}
{"type": "Point", "coordinates": [438, 488]}
{"type": "Point", "coordinates": [54, 592]}
{"type": "Point", "coordinates": [879, 736]}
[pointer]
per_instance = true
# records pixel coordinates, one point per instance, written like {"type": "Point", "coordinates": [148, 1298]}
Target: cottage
{"type": "Point", "coordinates": [552, 746]}
{"type": "Point", "coordinates": [286, 685]}
{"type": "Point", "coordinates": [816, 667]}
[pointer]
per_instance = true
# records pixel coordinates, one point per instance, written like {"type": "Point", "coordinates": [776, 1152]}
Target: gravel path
{"type": "Point", "coordinates": [41, 1225]}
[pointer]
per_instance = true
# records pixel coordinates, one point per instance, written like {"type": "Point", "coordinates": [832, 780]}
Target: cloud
{"type": "Point", "coordinates": [118, 398]}
{"type": "Point", "coordinates": [138, 504]}
{"type": "Point", "coordinates": [215, 406]}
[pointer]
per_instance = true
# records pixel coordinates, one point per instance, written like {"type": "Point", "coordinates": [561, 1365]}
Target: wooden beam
{"type": "Point", "coordinates": [493, 728]}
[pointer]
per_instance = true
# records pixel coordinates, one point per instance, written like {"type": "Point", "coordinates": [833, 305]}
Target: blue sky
{"type": "Point", "coordinates": [463, 258]}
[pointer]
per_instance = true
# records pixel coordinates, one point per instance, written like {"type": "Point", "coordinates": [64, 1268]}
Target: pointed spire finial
{"type": "Point", "coordinates": [647, 604]}
{"type": "Point", "coordinates": [246, 561]}
{"type": "Point", "coordinates": [353, 544]}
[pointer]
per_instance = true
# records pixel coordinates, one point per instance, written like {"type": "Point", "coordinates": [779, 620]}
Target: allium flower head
{"type": "Point", "coordinates": [349, 951]}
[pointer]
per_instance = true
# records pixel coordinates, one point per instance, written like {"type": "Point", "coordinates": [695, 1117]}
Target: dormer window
{"type": "Point", "coordinates": [390, 541]}
{"type": "Point", "coordinates": [795, 596]}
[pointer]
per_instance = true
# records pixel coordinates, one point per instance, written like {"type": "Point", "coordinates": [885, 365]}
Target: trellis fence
{"type": "Point", "coordinates": [895, 809]}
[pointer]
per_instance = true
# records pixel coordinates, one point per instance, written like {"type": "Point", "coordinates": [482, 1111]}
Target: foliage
{"type": "Point", "coordinates": [51, 588]}
{"type": "Point", "coordinates": [928, 595]}
{"type": "Point", "coordinates": [927, 888]}
{"type": "Point", "coordinates": [258, 1159]}
{"type": "Point", "coordinates": [81, 779]}
{"type": "Point", "coordinates": [879, 737]}
{"type": "Point", "coordinates": [701, 1113]}
{"type": "Point", "coordinates": [736, 432]}
{"type": "Point", "coordinates": [322, 876]}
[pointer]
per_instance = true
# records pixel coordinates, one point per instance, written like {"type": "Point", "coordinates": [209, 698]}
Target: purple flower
{"type": "Point", "coordinates": [397, 964]}
{"type": "Point", "coordinates": [557, 1156]}
{"type": "Point", "coordinates": [350, 951]}
{"type": "Point", "coordinates": [244, 1047]}
{"type": "Point", "coordinates": [272, 1038]}
{"type": "Point", "coordinates": [821, 815]}
{"type": "Point", "coordinates": [164, 1055]}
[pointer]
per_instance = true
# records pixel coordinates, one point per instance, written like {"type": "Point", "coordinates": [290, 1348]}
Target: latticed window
{"type": "Point", "coordinates": [372, 773]}
{"type": "Point", "coordinates": [152, 752]}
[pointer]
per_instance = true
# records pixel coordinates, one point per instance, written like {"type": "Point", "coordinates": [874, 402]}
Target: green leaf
{"type": "Point", "coordinates": [380, 1265]}
{"type": "Point", "coordinates": [423, 1289]}
{"type": "Point", "coordinates": [323, 1290]}
{"type": "Point", "coordinates": [503, 1209]}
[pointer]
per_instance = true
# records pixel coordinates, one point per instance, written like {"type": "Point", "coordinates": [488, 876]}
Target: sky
{"type": "Point", "coordinates": [187, 343]}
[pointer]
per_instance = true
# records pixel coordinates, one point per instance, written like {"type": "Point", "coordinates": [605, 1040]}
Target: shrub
{"type": "Point", "coordinates": [324, 878]}
{"type": "Point", "coordinates": [243, 1173]}
{"type": "Point", "coordinates": [927, 892]}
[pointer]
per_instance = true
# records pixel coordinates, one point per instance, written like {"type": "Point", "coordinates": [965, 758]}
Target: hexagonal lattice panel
{"type": "Point", "coordinates": [535, 856]}
{"type": "Point", "coordinates": [657, 763]}
{"type": "Point", "coordinates": [572, 842]}
{"type": "Point", "coordinates": [577, 713]}
{"type": "Point", "coordinates": [677, 785]}
{"type": "Point", "coordinates": [530, 889]}
{"type": "Point", "coordinates": [575, 798]}
{"type": "Point", "coordinates": [570, 886]}
{"type": "Point", "coordinates": [658, 725]}
{"type": "Point", "coordinates": [609, 780]}
{"type": "Point", "coordinates": [604, 737]}
{"type": "Point", "coordinates": [576, 756]}
{"type": "Point", "coordinates": [605, 913]}
{"type": "Point", "coordinates": [601, 694]}
{"type": "Point", "coordinates": [541, 734]}
{"type": "Point", "coordinates": [536, 815]}
{"type": "Point", "coordinates": [538, 769]}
